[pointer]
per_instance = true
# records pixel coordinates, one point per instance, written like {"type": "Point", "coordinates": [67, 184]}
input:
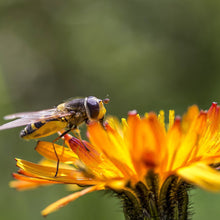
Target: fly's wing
{"type": "Point", "coordinates": [17, 123]}
{"type": "Point", "coordinates": [25, 118]}
{"type": "Point", "coordinates": [47, 113]}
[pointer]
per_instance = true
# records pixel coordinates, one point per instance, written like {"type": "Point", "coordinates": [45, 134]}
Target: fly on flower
{"type": "Point", "coordinates": [68, 115]}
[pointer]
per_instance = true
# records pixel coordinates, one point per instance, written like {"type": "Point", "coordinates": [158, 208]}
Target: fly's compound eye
{"type": "Point", "coordinates": [93, 107]}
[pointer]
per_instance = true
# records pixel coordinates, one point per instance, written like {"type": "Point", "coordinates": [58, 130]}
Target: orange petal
{"type": "Point", "coordinates": [174, 136]}
{"type": "Point", "coordinates": [214, 159]}
{"type": "Point", "coordinates": [209, 143]}
{"type": "Point", "coordinates": [111, 143]}
{"type": "Point", "coordinates": [213, 112]}
{"type": "Point", "coordinates": [202, 175]}
{"type": "Point", "coordinates": [132, 121]}
{"type": "Point", "coordinates": [64, 154]}
{"type": "Point", "coordinates": [64, 201]}
{"type": "Point", "coordinates": [188, 117]}
{"type": "Point", "coordinates": [150, 141]}
{"type": "Point", "coordinates": [32, 179]}
{"type": "Point", "coordinates": [97, 135]}
{"type": "Point", "coordinates": [97, 162]}
{"type": "Point", "coordinates": [85, 151]}
{"type": "Point", "coordinates": [72, 176]}
{"type": "Point", "coordinates": [25, 183]}
{"type": "Point", "coordinates": [189, 147]}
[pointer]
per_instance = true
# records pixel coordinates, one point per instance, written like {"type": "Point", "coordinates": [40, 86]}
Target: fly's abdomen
{"type": "Point", "coordinates": [30, 128]}
{"type": "Point", "coordinates": [42, 129]}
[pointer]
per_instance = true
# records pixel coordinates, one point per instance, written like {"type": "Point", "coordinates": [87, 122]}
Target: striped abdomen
{"type": "Point", "coordinates": [30, 128]}
{"type": "Point", "coordinates": [42, 129]}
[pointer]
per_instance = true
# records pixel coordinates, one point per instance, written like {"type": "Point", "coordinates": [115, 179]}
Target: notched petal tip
{"type": "Point", "coordinates": [177, 121]}
{"type": "Point", "coordinates": [214, 104]}
{"type": "Point", "coordinates": [133, 112]}
{"type": "Point", "coordinates": [178, 118]}
{"type": "Point", "coordinates": [203, 112]}
{"type": "Point", "coordinates": [18, 162]}
{"type": "Point", "coordinates": [214, 107]}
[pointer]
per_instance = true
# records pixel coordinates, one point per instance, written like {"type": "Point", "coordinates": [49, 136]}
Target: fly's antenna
{"type": "Point", "coordinates": [106, 101]}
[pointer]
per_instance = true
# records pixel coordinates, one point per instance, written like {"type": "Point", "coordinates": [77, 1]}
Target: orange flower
{"type": "Point", "coordinates": [147, 163]}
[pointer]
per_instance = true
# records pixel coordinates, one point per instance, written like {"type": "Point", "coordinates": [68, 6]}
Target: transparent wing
{"type": "Point", "coordinates": [38, 114]}
{"type": "Point", "coordinates": [25, 118]}
{"type": "Point", "coordinates": [17, 123]}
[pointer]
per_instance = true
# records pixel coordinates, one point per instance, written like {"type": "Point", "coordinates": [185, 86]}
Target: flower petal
{"type": "Point", "coordinates": [112, 144]}
{"type": "Point", "coordinates": [64, 154]}
{"type": "Point", "coordinates": [201, 175]}
{"type": "Point", "coordinates": [189, 146]}
{"type": "Point", "coordinates": [64, 201]}
{"type": "Point", "coordinates": [174, 136]}
{"type": "Point", "coordinates": [98, 163]}
{"type": "Point", "coordinates": [69, 176]}
{"type": "Point", "coordinates": [149, 141]}
{"type": "Point", "coordinates": [188, 117]}
{"type": "Point", "coordinates": [25, 182]}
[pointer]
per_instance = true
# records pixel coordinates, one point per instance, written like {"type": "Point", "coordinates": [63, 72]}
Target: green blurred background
{"type": "Point", "coordinates": [144, 55]}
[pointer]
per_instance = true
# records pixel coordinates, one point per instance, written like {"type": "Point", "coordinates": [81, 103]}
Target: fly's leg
{"type": "Point", "coordinates": [58, 160]}
{"type": "Point", "coordinates": [101, 121]}
{"type": "Point", "coordinates": [76, 132]}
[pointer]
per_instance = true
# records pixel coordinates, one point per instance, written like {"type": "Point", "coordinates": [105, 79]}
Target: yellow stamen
{"type": "Point", "coordinates": [161, 117]}
{"type": "Point", "coordinates": [171, 118]}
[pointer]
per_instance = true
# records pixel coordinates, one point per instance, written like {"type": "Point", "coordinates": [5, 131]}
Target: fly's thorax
{"type": "Point", "coordinates": [74, 105]}
{"type": "Point", "coordinates": [76, 119]}
{"type": "Point", "coordinates": [61, 107]}
{"type": "Point", "coordinates": [77, 112]}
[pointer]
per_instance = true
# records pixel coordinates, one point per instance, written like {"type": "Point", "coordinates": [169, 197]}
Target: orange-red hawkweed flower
{"type": "Point", "coordinates": [149, 164]}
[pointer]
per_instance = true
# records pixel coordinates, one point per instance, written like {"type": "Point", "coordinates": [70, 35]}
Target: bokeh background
{"type": "Point", "coordinates": [142, 54]}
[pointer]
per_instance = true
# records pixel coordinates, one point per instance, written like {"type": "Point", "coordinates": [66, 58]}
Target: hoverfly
{"type": "Point", "coordinates": [68, 115]}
